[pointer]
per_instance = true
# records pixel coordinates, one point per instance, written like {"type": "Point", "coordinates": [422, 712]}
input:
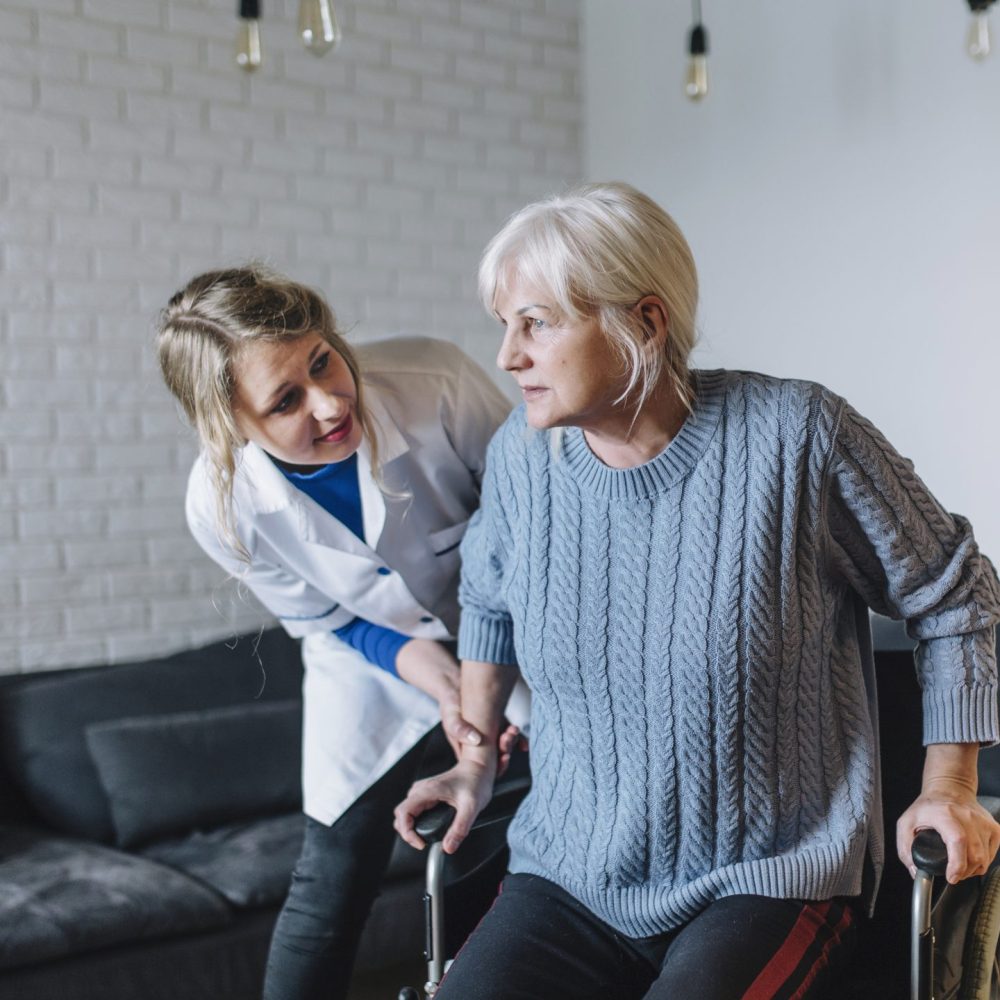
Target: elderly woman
{"type": "Point", "coordinates": [681, 564]}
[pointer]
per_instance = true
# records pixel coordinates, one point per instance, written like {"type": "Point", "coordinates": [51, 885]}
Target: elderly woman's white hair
{"type": "Point", "coordinates": [599, 250]}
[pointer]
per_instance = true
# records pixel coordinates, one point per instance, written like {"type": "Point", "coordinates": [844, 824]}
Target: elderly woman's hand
{"type": "Point", "coordinates": [467, 786]}
{"type": "Point", "coordinates": [947, 803]}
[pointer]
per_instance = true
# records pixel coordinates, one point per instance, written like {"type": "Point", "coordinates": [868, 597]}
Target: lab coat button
{"type": "Point", "coordinates": [384, 571]}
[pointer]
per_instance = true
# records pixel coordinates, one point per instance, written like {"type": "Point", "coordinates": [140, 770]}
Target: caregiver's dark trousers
{"type": "Point", "coordinates": [539, 943]}
{"type": "Point", "coordinates": [335, 883]}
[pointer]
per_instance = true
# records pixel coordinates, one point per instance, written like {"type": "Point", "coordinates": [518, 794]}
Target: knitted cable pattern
{"type": "Point", "coordinates": [759, 619]}
{"type": "Point", "coordinates": [728, 668]}
{"type": "Point", "coordinates": [794, 455]}
{"type": "Point", "coordinates": [628, 859]}
{"type": "Point", "coordinates": [693, 631]}
{"type": "Point", "coordinates": [697, 710]}
{"type": "Point", "coordinates": [814, 791]}
{"type": "Point", "coordinates": [664, 774]}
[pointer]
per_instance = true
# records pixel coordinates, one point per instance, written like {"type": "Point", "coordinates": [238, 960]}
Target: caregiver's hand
{"type": "Point", "coordinates": [427, 665]}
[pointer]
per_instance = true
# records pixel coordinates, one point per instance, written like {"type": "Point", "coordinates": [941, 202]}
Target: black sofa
{"type": "Point", "coordinates": [160, 874]}
{"type": "Point", "coordinates": [149, 822]}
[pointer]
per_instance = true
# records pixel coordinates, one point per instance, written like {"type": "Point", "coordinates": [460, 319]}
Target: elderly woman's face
{"type": "Point", "coordinates": [567, 371]}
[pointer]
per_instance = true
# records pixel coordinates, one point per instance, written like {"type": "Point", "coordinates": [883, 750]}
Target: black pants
{"type": "Point", "coordinates": [335, 882]}
{"type": "Point", "coordinates": [539, 943]}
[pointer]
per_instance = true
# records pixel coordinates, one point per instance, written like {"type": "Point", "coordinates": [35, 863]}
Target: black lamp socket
{"type": "Point", "coordinates": [698, 41]}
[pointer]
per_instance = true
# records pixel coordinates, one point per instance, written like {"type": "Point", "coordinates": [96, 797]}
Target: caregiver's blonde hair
{"type": "Point", "coordinates": [202, 331]}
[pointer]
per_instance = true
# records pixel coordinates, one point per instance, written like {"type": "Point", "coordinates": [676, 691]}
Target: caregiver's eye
{"type": "Point", "coordinates": [286, 402]}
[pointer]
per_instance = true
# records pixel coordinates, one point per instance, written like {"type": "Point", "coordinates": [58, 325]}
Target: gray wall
{"type": "Point", "coordinates": [839, 188]}
{"type": "Point", "coordinates": [135, 154]}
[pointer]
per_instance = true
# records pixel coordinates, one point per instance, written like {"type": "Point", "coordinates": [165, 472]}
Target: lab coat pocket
{"type": "Point", "coordinates": [447, 539]}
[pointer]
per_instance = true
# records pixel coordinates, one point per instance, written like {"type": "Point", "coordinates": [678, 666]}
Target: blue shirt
{"type": "Point", "coordinates": [335, 488]}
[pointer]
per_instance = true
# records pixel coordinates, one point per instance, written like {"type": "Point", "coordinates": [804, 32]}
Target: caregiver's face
{"type": "Point", "coordinates": [297, 400]}
{"type": "Point", "coordinates": [567, 371]}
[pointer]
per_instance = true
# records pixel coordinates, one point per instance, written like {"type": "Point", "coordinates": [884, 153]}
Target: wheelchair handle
{"type": "Point", "coordinates": [929, 853]}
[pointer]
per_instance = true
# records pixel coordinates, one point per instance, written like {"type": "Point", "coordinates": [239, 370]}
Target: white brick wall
{"type": "Point", "coordinates": [134, 154]}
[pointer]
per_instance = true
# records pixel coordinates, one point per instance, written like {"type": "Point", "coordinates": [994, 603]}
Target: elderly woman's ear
{"type": "Point", "coordinates": [652, 313]}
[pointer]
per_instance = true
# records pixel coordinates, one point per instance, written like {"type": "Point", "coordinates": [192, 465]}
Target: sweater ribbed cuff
{"type": "Point", "coordinates": [485, 639]}
{"type": "Point", "coordinates": [961, 715]}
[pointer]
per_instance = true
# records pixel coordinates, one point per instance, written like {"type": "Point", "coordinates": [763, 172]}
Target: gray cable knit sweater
{"type": "Point", "coordinates": [694, 632]}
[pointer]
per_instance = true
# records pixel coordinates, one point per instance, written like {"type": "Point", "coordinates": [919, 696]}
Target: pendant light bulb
{"type": "Point", "coordinates": [248, 35]}
{"type": "Point", "coordinates": [248, 45]}
{"type": "Point", "coordinates": [978, 42]}
{"type": "Point", "coordinates": [318, 26]}
{"type": "Point", "coordinates": [696, 80]}
{"type": "Point", "coordinates": [979, 35]}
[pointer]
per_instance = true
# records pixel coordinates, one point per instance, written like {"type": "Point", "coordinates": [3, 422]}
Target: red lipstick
{"type": "Point", "coordinates": [339, 433]}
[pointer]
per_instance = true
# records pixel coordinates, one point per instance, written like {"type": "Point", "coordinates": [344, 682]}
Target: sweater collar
{"type": "Point", "coordinates": [669, 467]}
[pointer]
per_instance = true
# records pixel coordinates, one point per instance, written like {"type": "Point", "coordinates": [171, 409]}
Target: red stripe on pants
{"type": "Point", "coordinates": [843, 923]}
{"type": "Point", "coordinates": [787, 959]}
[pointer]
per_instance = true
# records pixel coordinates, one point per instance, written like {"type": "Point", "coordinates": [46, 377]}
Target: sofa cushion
{"type": "Point", "coordinates": [248, 863]}
{"type": "Point", "coordinates": [42, 718]}
{"type": "Point", "coordinates": [251, 863]}
{"type": "Point", "coordinates": [225, 963]}
{"type": "Point", "coordinates": [165, 774]}
{"type": "Point", "coordinates": [63, 897]}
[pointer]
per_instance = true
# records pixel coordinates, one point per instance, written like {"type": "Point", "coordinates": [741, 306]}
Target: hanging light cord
{"type": "Point", "coordinates": [698, 39]}
{"type": "Point", "coordinates": [696, 81]}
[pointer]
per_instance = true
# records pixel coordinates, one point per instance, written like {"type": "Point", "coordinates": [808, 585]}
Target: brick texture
{"type": "Point", "coordinates": [136, 154]}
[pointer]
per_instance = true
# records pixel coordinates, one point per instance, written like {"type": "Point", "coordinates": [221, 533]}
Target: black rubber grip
{"type": "Point", "coordinates": [432, 825]}
{"type": "Point", "coordinates": [929, 853]}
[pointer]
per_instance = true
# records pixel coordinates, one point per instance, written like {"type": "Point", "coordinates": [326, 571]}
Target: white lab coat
{"type": "Point", "coordinates": [435, 411]}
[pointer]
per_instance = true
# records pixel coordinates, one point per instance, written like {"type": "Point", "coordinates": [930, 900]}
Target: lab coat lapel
{"type": "Point", "coordinates": [372, 501]}
{"type": "Point", "coordinates": [273, 494]}
{"type": "Point", "coordinates": [392, 444]}
{"type": "Point", "coordinates": [265, 489]}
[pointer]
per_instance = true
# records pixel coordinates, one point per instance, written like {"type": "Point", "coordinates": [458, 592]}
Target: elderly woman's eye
{"type": "Point", "coordinates": [537, 324]}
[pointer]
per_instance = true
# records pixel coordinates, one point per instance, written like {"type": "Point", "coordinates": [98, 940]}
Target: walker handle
{"type": "Point", "coordinates": [431, 826]}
